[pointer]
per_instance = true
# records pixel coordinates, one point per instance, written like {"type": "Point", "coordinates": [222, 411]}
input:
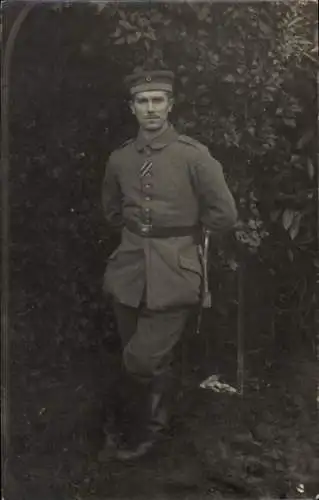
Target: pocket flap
{"type": "Point", "coordinates": [190, 264]}
{"type": "Point", "coordinates": [113, 254]}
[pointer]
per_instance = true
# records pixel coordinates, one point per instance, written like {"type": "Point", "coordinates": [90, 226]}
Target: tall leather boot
{"type": "Point", "coordinates": [154, 423]}
{"type": "Point", "coordinates": [159, 404]}
{"type": "Point", "coordinates": [125, 406]}
{"type": "Point", "coordinates": [114, 417]}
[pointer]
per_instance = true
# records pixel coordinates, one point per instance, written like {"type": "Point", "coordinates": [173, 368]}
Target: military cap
{"type": "Point", "coordinates": [152, 80]}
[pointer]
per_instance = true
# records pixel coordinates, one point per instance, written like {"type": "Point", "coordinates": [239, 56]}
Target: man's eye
{"type": "Point", "coordinates": [157, 100]}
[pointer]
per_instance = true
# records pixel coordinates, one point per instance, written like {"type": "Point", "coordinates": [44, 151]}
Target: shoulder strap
{"type": "Point", "coordinates": [125, 143]}
{"type": "Point", "coordinates": [192, 174]}
{"type": "Point", "coordinates": [191, 142]}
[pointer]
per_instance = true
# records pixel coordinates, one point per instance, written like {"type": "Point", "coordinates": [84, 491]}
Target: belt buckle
{"type": "Point", "coordinates": [145, 228]}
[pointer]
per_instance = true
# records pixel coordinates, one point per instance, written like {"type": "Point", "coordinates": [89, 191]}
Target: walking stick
{"type": "Point", "coordinates": [240, 331]}
{"type": "Point", "coordinates": [205, 296]}
{"type": "Point", "coordinates": [213, 381]}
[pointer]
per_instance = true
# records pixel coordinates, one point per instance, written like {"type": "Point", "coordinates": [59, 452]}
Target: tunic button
{"type": "Point", "coordinates": [146, 227]}
{"type": "Point", "coordinates": [147, 198]}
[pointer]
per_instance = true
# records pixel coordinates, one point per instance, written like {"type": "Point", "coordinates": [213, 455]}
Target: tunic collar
{"type": "Point", "coordinates": [159, 142]}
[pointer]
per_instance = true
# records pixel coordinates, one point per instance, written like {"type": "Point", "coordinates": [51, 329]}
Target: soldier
{"type": "Point", "coordinates": [159, 190]}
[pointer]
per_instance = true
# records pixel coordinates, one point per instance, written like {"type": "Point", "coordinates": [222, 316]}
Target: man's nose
{"type": "Point", "coordinates": [150, 106]}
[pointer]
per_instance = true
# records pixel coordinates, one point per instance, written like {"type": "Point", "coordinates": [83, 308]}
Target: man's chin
{"type": "Point", "coordinates": [152, 126]}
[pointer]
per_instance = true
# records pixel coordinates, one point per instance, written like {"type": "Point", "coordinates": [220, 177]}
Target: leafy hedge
{"type": "Point", "coordinates": [246, 87]}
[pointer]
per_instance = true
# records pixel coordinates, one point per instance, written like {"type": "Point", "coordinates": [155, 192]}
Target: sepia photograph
{"type": "Point", "coordinates": [159, 207]}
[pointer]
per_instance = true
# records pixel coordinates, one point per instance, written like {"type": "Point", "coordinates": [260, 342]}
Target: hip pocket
{"type": "Point", "coordinates": [190, 264]}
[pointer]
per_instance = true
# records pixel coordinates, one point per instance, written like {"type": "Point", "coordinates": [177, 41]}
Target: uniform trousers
{"type": "Point", "coordinates": [148, 338]}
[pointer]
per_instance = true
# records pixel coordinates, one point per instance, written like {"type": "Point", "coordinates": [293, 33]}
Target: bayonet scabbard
{"type": "Point", "coordinates": [206, 299]}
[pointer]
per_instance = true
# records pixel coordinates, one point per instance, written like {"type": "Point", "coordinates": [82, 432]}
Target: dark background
{"type": "Point", "coordinates": [246, 88]}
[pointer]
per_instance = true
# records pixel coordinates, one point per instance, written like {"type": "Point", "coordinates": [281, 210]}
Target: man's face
{"type": "Point", "coordinates": [151, 109]}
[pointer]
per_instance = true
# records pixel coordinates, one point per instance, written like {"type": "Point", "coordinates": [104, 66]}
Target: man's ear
{"type": "Point", "coordinates": [171, 104]}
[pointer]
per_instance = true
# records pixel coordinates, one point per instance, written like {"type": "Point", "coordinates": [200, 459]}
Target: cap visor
{"type": "Point", "coordinates": [144, 87]}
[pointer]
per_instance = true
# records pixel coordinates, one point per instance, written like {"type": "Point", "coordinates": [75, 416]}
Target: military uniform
{"type": "Point", "coordinates": [159, 192]}
{"type": "Point", "coordinates": [185, 188]}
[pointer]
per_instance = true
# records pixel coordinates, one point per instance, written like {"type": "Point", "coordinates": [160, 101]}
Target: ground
{"type": "Point", "coordinates": [221, 446]}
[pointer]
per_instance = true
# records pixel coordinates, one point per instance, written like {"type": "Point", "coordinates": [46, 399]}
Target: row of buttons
{"type": "Point", "coordinates": [146, 186]}
{"type": "Point", "coordinates": [146, 228]}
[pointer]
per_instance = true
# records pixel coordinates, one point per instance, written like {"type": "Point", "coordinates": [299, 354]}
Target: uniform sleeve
{"type": "Point", "coordinates": [217, 206]}
{"type": "Point", "coordinates": [112, 196]}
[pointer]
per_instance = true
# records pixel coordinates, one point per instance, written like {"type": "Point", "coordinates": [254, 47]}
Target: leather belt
{"type": "Point", "coordinates": [150, 231]}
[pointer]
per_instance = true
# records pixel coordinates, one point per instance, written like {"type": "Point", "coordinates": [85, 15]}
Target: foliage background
{"type": "Point", "coordinates": [246, 87]}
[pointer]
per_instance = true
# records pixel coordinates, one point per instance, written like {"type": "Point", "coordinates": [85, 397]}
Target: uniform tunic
{"type": "Point", "coordinates": [181, 185]}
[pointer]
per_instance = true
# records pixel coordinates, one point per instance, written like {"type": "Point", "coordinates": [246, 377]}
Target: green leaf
{"type": "Point", "coordinates": [265, 28]}
{"type": "Point", "coordinates": [295, 226]}
{"type": "Point", "coordinates": [233, 265]}
{"type": "Point", "coordinates": [290, 255]}
{"type": "Point", "coordinates": [147, 45]}
{"type": "Point", "coordinates": [122, 14]}
{"type": "Point", "coordinates": [116, 33]}
{"type": "Point", "coordinates": [274, 214]}
{"type": "Point", "coordinates": [133, 38]}
{"type": "Point", "coordinates": [290, 122]}
{"type": "Point", "coordinates": [100, 7]}
{"type": "Point", "coordinates": [203, 13]}
{"type": "Point", "coordinates": [229, 79]}
{"type": "Point", "coordinates": [295, 21]}
{"type": "Point", "coordinates": [287, 218]}
{"type": "Point", "coordinates": [310, 169]}
{"type": "Point", "coordinates": [126, 25]}
{"type": "Point", "coordinates": [120, 41]}
{"type": "Point", "coordinates": [150, 35]}
{"type": "Point", "coordinates": [184, 80]}
{"type": "Point", "coordinates": [305, 139]}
